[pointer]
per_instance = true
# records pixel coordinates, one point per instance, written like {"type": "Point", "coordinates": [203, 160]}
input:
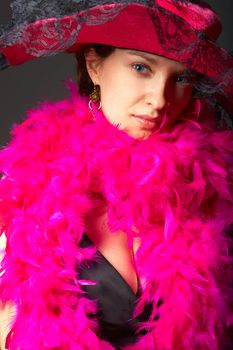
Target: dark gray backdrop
{"type": "Point", "coordinates": [22, 87]}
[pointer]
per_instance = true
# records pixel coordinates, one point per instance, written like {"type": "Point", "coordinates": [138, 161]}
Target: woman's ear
{"type": "Point", "coordinates": [93, 64]}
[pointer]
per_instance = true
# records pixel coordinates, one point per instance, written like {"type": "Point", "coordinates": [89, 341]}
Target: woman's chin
{"type": "Point", "coordinates": [138, 134]}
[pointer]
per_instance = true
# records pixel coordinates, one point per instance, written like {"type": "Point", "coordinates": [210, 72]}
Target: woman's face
{"type": "Point", "coordinates": [138, 88]}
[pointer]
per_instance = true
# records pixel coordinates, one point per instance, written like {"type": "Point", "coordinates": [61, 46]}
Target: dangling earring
{"type": "Point", "coordinates": [94, 98]}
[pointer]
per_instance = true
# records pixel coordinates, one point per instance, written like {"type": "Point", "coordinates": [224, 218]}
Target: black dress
{"type": "Point", "coordinates": [115, 301]}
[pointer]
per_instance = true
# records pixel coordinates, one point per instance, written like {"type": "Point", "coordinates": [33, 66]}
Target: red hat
{"type": "Point", "coordinates": [178, 29]}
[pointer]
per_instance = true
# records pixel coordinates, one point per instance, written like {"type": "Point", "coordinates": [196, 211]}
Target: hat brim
{"type": "Point", "coordinates": [134, 28]}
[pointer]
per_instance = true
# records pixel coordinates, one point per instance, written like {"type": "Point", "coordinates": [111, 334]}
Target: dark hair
{"type": "Point", "coordinates": [84, 81]}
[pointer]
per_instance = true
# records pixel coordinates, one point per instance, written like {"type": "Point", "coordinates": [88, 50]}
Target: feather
{"type": "Point", "coordinates": [173, 191]}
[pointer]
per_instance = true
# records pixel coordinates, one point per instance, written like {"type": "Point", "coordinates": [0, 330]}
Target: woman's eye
{"type": "Point", "coordinates": [182, 79]}
{"type": "Point", "coordinates": [185, 79]}
{"type": "Point", "coordinates": [141, 68]}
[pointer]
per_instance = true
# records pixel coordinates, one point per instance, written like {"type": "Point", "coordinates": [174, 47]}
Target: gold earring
{"type": "Point", "coordinates": [95, 97]}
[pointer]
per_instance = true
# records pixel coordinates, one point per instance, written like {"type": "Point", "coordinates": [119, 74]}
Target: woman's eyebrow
{"type": "Point", "coordinates": [142, 55]}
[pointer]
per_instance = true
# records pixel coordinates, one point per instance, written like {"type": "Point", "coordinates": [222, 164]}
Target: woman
{"type": "Point", "coordinates": [117, 207]}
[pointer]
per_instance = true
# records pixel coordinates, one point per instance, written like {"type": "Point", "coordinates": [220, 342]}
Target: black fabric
{"type": "Point", "coordinates": [115, 300]}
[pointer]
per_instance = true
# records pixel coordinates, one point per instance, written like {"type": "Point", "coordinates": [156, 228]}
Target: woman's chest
{"type": "Point", "coordinates": [114, 247]}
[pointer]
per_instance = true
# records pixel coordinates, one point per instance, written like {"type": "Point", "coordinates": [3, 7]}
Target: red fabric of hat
{"type": "Point", "coordinates": [180, 30]}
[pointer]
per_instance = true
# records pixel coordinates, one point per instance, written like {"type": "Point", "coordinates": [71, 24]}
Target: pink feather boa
{"type": "Point", "coordinates": [175, 188]}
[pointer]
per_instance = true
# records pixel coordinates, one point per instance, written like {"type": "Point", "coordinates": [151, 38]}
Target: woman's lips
{"type": "Point", "coordinates": [147, 122]}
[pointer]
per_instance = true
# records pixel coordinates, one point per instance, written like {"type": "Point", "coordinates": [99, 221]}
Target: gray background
{"type": "Point", "coordinates": [22, 87]}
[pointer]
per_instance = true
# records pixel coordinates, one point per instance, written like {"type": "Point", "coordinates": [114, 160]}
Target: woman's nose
{"type": "Point", "coordinates": [157, 96]}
